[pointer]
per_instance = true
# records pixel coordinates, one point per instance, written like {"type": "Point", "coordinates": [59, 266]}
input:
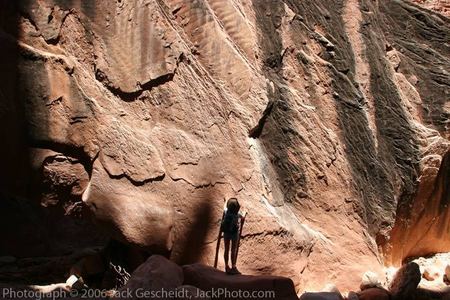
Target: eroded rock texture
{"type": "Point", "coordinates": [441, 6]}
{"type": "Point", "coordinates": [328, 120]}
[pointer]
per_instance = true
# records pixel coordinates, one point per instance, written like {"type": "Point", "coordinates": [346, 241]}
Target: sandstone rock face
{"type": "Point", "coordinates": [328, 120]}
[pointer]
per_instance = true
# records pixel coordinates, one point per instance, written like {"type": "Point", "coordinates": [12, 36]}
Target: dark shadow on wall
{"type": "Point", "coordinates": [194, 236]}
{"type": "Point", "coordinates": [29, 229]}
{"type": "Point", "coordinates": [14, 153]}
{"type": "Point", "coordinates": [276, 128]}
{"type": "Point", "coordinates": [196, 224]}
{"type": "Point", "coordinates": [22, 221]}
{"type": "Point", "coordinates": [20, 215]}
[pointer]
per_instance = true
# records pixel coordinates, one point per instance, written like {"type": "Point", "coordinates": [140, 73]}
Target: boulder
{"type": "Point", "coordinates": [374, 294]}
{"type": "Point", "coordinates": [352, 296]}
{"type": "Point", "coordinates": [321, 296]}
{"type": "Point", "coordinates": [431, 273]}
{"type": "Point", "coordinates": [157, 274]}
{"type": "Point", "coordinates": [226, 286]}
{"type": "Point", "coordinates": [447, 274]}
{"type": "Point", "coordinates": [405, 281]}
{"type": "Point", "coordinates": [369, 280]}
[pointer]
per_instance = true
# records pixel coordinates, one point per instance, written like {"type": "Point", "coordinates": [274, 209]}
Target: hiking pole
{"type": "Point", "coordinates": [239, 236]}
{"type": "Point", "coordinates": [216, 258]}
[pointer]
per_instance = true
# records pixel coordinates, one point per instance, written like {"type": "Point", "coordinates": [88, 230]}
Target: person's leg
{"type": "Point", "coordinates": [226, 253]}
{"type": "Point", "coordinates": [233, 253]}
{"type": "Point", "coordinates": [234, 269]}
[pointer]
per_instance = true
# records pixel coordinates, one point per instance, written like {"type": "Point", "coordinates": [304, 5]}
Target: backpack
{"type": "Point", "coordinates": [229, 222]}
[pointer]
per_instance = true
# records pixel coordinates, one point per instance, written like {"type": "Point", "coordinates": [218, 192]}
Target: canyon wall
{"type": "Point", "coordinates": [136, 119]}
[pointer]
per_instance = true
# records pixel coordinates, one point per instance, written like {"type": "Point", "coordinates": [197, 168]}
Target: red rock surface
{"type": "Point", "coordinates": [328, 120]}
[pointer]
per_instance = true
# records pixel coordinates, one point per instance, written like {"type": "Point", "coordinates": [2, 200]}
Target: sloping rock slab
{"type": "Point", "coordinates": [219, 285]}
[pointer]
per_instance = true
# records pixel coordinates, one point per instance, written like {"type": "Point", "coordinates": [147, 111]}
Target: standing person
{"type": "Point", "coordinates": [230, 229]}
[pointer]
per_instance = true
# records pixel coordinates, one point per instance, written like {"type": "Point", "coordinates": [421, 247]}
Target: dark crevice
{"type": "Point", "coordinates": [256, 131]}
{"type": "Point", "coordinates": [198, 186]}
{"type": "Point", "coordinates": [132, 96]}
{"type": "Point", "coordinates": [147, 86]}
{"type": "Point", "coordinates": [27, 16]}
{"type": "Point", "coordinates": [137, 182]}
{"type": "Point", "coordinates": [67, 150]}
{"type": "Point", "coordinates": [55, 40]}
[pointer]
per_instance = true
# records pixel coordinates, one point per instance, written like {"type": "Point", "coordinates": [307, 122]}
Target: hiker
{"type": "Point", "coordinates": [230, 228]}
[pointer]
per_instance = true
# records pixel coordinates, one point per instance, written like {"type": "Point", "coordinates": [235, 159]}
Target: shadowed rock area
{"type": "Point", "coordinates": [126, 124]}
